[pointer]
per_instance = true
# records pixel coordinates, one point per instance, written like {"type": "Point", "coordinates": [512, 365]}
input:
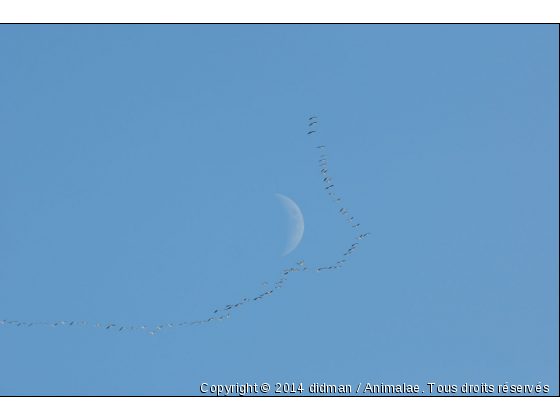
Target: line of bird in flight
{"type": "Point", "coordinates": [226, 310]}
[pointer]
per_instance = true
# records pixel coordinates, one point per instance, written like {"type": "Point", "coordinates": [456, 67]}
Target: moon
{"type": "Point", "coordinates": [295, 223]}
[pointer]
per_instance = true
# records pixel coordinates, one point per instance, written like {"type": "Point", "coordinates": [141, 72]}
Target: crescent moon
{"type": "Point", "coordinates": [295, 223]}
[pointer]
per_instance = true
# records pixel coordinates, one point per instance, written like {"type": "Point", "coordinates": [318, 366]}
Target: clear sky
{"type": "Point", "coordinates": [138, 167]}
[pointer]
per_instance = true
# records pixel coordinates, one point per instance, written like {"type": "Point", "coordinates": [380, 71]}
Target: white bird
{"type": "Point", "coordinates": [329, 194]}
{"type": "Point", "coordinates": [32, 324]}
{"type": "Point", "coordinates": [314, 122]}
{"type": "Point", "coordinates": [300, 263]}
{"type": "Point", "coordinates": [356, 225]}
{"type": "Point", "coordinates": [312, 118]}
{"type": "Point", "coordinates": [112, 325]}
{"type": "Point", "coordinates": [169, 325]}
{"type": "Point", "coordinates": [220, 318]}
{"type": "Point", "coordinates": [3, 321]}
{"type": "Point", "coordinates": [327, 180]}
{"type": "Point", "coordinates": [183, 323]}
{"type": "Point", "coordinates": [143, 327]}
{"type": "Point", "coordinates": [352, 218]}
{"type": "Point", "coordinates": [337, 200]}
{"type": "Point", "coordinates": [330, 186]}
{"type": "Point", "coordinates": [344, 214]}
{"type": "Point", "coordinates": [311, 132]}
{"type": "Point", "coordinates": [152, 332]}
{"type": "Point", "coordinates": [322, 160]}
{"type": "Point", "coordinates": [265, 283]}
{"type": "Point", "coordinates": [320, 147]}
{"type": "Point", "coordinates": [97, 325]}
{"type": "Point", "coordinates": [54, 325]}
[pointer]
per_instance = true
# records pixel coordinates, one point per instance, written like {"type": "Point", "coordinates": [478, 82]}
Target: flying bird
{"type": "Point", "coordinates": [343, 208]}
{"type": "Point", "coordinates": [356, 225]}
{"type": "Point", "coordinates": [311, 132]}
{"type": "Point", "coordinates": [330, 186]}
{"type": "Point", "coordinates": [300, 263]}
{"type": "Point", "coordinates": [112, 325]}
{"type": "Point", "coordinates": [314, 122]}
{"type": "Point", "coordinates": [352, 218]}
{"type": "Point", "coordinates": [320, 147]}
{"type": "Point", "coordinates": [312, 118]}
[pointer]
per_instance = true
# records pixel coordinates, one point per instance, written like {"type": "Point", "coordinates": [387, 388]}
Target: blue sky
{"type": "Point", "coordinates": [138, 167]}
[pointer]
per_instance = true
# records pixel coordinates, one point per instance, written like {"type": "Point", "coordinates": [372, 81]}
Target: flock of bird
{"type": "Point", "coordinates": [225, 312]}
